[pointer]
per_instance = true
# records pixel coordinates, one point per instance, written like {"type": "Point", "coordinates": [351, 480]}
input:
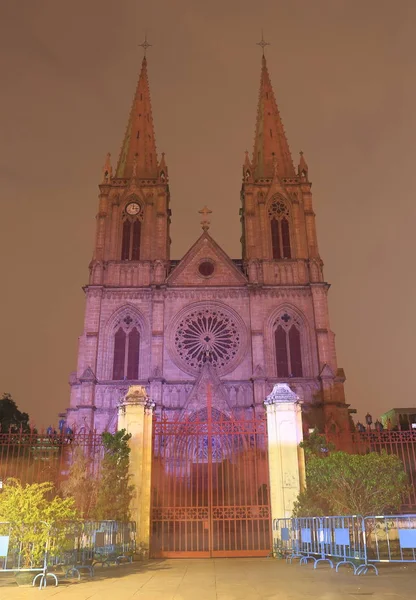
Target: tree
{"type": "Point", "coordinates": [11, 419]}
{"type": "Point", "coordinates": [316, 444]}
{"type": "Point", "coordinates": [81, 485]}
{"type": "Point", "coordinates": [114, 490]}
{"type": "Point", "coordinates": [349, 484]}
{"type": "Point", "coordinates": [32, 515]}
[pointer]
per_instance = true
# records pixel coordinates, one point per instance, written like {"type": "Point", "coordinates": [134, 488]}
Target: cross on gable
{"type": "Point", "coordinates": [205, 221]}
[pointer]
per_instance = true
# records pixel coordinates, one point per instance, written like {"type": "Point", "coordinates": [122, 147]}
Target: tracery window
{"type": "Point", "coordinates": [126, 349]}
{"type": "Point", "coordinates": [287, 339]}
{"type": "Point", "coordinates": [131, 233]}
{"type": "Point", "coordinates": [207, 335]}
{"type": "Point", "coordinates": [279, 224]}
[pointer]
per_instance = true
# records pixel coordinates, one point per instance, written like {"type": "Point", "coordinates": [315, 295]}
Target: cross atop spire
{"type": "Point", "coordinates": [205, 223]}
{"type": "Point", "coordinates": [145, 45]}
{"type": "Point", "coordinates": [262, 43]}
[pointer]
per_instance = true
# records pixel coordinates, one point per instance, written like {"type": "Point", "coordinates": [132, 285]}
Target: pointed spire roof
{"type": "Point", "coordinates": [270, 143]}
{"type": "Point", "coordinates": [138, 152]}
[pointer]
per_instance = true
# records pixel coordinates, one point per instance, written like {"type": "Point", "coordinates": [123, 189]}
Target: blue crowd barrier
{"type": "Point", "coordinates": [285, 539]}
{"type": "Point", "coordinates": [360, 542]}
{"type": "Point", "coordinates": [335, 539]}
{"type": "Point", "coordinates": [389, 539]}
{"type": "Point", "coordinates": [64, 549]}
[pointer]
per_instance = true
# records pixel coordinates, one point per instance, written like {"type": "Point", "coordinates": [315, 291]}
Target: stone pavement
{"type": "Point", "coordinates": [226, 579]}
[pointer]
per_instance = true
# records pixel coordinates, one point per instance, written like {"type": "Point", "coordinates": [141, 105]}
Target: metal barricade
{"type": "Point", "coordinates": [337, 539]}
{"type": "Point", "coordinates": [83, 545]}
{"type": "Point", "coordinates": [64, 549]}
{"type": "Point", "coordinates": [285, 539]}
{"type": "Point", "coordinates": [24, 549]}
{"type": "Point", "coordinates": [389, 539]}
{"type": "Point", "coordinates": [70, 552]}
{"type": "Point", "coordinates": [361, 542]}
{"type": "Point", "coordinates": [113, 542]}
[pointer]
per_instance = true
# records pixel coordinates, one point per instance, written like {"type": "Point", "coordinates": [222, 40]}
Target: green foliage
{"type": "Point", "coordinates": [11, 419]}
{"type": "Point", "coordinates": [33, 515]}
{"type": "Point", "coordinates": [350, 484]}
{"type": "Point", "coordinates": [316, 444]}
{"type": "Point", "coordinates": [80, 485]}
{"type": "Point", "coordinates": [114, 490]}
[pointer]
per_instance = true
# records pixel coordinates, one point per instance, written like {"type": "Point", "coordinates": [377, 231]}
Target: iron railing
{"type": "Point", "coordinates": [37, 456]}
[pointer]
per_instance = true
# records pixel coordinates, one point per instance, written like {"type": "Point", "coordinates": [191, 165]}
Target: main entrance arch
{"type": "Point", "coordinates": [210, 486]}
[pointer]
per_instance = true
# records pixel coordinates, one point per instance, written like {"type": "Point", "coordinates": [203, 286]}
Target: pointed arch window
{"type": "Point", "coordinates": [288, 350]}
{"type": "Point", "coordinates": [280, 229]}
{"type": "Point", "coordinates": [126, 349]}
{"type": "Point", "coordinates": [131, 232]}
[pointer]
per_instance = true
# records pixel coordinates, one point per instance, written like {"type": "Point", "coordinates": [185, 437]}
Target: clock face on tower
{"type": "Point", "coordinates": [133, 208]}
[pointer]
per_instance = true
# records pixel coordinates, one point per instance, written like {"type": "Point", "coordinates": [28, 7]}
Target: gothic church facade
{"type": "Point", "coordinates": [240, 324]}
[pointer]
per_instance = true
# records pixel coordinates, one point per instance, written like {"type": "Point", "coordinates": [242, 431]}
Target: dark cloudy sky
{"type": "Point", "coordinates": [344, 76]}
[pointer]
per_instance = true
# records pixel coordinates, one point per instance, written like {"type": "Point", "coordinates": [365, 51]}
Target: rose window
{"type": "Point", "coordinates": [207, 335]}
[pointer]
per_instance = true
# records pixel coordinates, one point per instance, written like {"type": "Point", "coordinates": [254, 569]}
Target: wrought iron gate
{"type": "Point", "coordinates": [210, 486]}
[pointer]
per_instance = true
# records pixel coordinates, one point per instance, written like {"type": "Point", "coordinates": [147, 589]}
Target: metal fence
{"type": "Point", "coordinates": [37, 456]}
{"type": "Point", "coordinates": [66, 549]}
{"type": "Point", "coordinates": [360, 542]}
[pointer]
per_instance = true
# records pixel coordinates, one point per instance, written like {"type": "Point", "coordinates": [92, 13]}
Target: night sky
{"type": "Point", "coordinates": [344, 76]}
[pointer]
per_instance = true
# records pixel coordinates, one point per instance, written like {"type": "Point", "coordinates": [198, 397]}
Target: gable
{"type": "Point", "coordinates": [204, 265]}
{"type": "Point", "coordinates": [198, 398]}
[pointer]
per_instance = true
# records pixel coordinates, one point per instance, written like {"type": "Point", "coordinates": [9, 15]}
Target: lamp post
{"type": "Point", "coordinates": [368, 420]}
{"type": "Point", "coordinates": [378, 425]}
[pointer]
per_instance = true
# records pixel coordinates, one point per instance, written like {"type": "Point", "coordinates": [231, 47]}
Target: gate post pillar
{"type": "Point", "coordinates": [286, 459]}
{"type": "Point", "coordinates": [135, 415]}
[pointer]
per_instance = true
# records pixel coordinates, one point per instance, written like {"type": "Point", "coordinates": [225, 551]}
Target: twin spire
{"type": "Point", "coordinates": [271, 154]}
{"type": "Point", "coordinates": [271, 149]}
{"type": "Point", "coordinates": [138, 155]}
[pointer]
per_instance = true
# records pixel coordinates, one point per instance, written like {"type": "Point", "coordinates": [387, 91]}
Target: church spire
{"type": "Point", "coordinates": [270, 143]}
{"type": "Point", "coordinates": [138, 151]}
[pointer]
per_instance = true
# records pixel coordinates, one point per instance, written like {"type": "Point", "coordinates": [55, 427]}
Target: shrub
{"type": "Point", "coordinates": [114, 490]}
{"type": "Point", "coordinates": [32, 516]}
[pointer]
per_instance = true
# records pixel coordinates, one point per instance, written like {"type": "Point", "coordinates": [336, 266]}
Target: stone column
{"type": "Point", "coordinates": [286, 459]}
{"type": "Point", "coordinates": [135, 415]}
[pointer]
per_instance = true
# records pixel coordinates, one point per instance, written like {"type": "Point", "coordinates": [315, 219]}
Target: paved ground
{"type": "Point", "coordinates": [226, 579]}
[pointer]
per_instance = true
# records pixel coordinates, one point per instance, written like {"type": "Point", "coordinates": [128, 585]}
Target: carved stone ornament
{"type": "Point", "coordinates": [281, 394]}
{"type": "Point", "coordinates": [136, 394]}
{"type": "Point", "coordinates": [88, 376]}
{"type": "Point", "coordinates": [207, 333]}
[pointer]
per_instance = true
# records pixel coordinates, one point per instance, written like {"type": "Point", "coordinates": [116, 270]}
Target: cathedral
{"type": "Point", "coordinates": [239, 324]}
